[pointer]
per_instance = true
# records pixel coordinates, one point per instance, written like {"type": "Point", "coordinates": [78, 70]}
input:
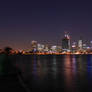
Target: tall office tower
{"type": "Point", "coordinates": [66, 42]}
{"type": "Point", "coordinates": [80, 44]}
{"type": "Point", "coordinates": [74, 46]}
{"type": "Point", "coordinates": [34, 45]}
{"type": "Point", "coordinates": [91, 44]}
{"type": "Point", "coordinates": [84, 46]}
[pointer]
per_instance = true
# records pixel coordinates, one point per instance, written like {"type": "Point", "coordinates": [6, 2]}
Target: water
{"type": "Point", "coordinates": [56, 73]}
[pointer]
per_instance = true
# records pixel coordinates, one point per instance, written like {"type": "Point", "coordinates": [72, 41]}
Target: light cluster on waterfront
{"type": "Point", "coordinates": [66, 47]}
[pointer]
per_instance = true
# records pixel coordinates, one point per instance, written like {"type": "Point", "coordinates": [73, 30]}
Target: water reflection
{"type": "Point", "coordinates": [57, 72]}
{"type": "Point", "coordinates": [70, 72]}
{"type": "Point", "coordinates": [34, 67]}
{"type": "Point", "coordinates": [89, 70]}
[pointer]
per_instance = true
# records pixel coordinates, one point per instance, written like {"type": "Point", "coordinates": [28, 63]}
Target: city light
{"type": "Point", "coordinates": [66, 47]}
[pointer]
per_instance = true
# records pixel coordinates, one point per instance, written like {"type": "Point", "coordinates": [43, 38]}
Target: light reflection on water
{"type": "Point", "coordinates": [57, 72]}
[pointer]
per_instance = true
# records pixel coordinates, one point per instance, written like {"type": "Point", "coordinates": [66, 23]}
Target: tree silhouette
{"type": "Point", "coordinates": [7, 50]}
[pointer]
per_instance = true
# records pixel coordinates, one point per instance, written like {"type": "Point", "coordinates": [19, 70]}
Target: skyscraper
{"type": "Point", "coordinates": [34, 45]}
{"type": "Point", "coordinates": [66, 42]}
{"type": "Point", "coordinates": [91, 44]}
{"type": "Point", "coordinates": [80, 44]}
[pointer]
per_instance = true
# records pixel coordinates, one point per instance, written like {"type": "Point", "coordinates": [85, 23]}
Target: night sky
{"type": "Point", "coordinates": [44, 21]}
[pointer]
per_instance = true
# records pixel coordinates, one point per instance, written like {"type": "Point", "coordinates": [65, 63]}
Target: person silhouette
{"type": "Point", "coordinates": [5, 63]}
{"type": "Point", "coordinates": [9, 74]}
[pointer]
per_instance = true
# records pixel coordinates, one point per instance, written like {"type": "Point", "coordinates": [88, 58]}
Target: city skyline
{"type": "Point", "coordinates": [67, 40]}
{"type": "Point", "coordinates": [43, 21]}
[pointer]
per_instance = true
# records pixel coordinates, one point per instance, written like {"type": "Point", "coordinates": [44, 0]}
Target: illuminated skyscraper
{"type": "Point", "coordinates": [74, 47]}
{"type": "Point", "coordinates": [34, 45]}
{"type": "Point", "coordinates": [80, 44]}
{"type": "Point", "coordinates": [66, 42]}
{"type": "Point", "coordinates": [84, 46]}
{"type": "Point", "coordinates": [91, 44]}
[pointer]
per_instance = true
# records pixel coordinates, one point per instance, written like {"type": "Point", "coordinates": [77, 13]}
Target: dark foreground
{"type": "Point", "coordinates": [12, 83]}
{"type": "Point", "coordinates": [50, 73]}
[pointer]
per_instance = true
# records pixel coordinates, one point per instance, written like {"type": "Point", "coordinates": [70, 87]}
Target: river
{"type": "Point", "coordinates": [56, 73]}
